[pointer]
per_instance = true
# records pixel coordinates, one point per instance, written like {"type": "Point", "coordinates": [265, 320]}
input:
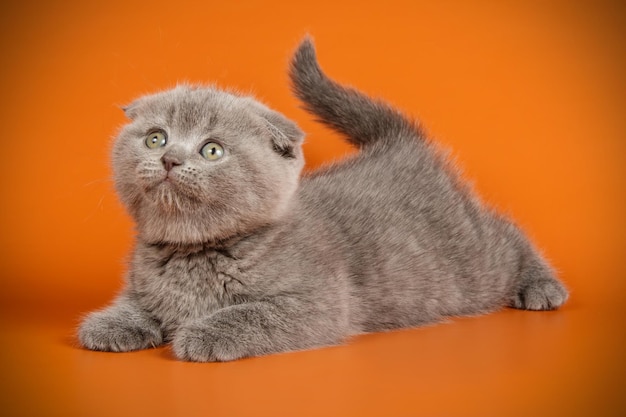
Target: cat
{"type": "Point", "coordinates": [237, 256]}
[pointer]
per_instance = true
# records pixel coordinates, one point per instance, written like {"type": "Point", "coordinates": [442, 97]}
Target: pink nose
{"type": "Point", "coordinates": [170, 161]}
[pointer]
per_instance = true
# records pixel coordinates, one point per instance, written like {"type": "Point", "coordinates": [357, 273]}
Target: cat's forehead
{"type": "Point", "coordinates": [195, 108]}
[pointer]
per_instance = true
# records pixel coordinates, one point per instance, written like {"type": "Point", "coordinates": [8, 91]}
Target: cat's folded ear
{"type": "Point", "coordinates": [131, 110]}
{"type": "Point", "coordinates": [286, 135]}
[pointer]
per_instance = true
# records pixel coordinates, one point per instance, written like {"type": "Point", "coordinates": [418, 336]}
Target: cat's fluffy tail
{"type": "Point", "coordinates": [362, 120]}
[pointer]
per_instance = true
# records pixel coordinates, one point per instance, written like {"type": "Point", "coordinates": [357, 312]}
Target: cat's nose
{"type": "Point", "coordinates": [171, 160]}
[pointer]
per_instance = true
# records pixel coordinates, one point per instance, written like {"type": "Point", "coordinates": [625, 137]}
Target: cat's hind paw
{"type": "Point", "coordinates": [545, 294]}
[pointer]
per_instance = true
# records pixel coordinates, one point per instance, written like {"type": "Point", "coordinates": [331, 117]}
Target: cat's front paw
{"type": "Point", "coordinates": [201, 343]}
{"type": "Point", "coordinates": [106, 331]}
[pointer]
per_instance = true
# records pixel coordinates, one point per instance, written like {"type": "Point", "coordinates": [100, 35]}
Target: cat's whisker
{"type": "Point", "coordinates": [97, 181]}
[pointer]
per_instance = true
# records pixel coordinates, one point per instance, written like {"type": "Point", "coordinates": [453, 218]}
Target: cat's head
{"type": "Point", "coordinates": [198, 164]}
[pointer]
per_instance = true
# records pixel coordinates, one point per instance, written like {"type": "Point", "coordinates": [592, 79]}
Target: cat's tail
{"type": "Point", "coordinates": [363, 120]}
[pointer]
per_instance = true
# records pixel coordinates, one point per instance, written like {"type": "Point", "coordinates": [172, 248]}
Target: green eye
{"type": "Point", "coordinates": [212, 151]}
{"type": "Point", "coordinates": [156, 140]}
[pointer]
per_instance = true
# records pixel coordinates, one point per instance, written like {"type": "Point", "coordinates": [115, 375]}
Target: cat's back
{"type": "Point", "coordinates": [404, 187]}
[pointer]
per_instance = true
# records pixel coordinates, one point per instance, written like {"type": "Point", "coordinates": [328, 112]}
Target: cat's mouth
{"type": "Point", "coordinates": [170, 176]}
{"type": "Point", "coordinates": [167, 179]}
{"type": "Point", "coordinates": [170, 192]}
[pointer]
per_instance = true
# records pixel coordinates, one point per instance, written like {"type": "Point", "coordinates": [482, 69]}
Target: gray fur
{"type": "Point", "coordinates": [239, 257]}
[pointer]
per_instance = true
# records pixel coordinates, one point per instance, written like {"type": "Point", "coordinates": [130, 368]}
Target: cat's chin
{"type": "Point", "coordinates": [178, 229]}
{"type": "Point", "coordinates": [167, 196]}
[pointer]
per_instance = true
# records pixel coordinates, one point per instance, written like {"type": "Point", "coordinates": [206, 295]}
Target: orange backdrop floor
{"type": "Point", "coordinates": [529, 96]}
{"type": "Point", "coordinates": [511, 363]}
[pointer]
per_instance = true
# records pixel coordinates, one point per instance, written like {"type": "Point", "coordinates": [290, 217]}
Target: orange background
{"type": "Point", "coordinates": [530, 96]}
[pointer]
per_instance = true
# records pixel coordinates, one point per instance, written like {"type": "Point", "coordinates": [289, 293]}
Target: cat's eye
{"type": "Point", "coordinates": [212, 151]}
{"type": "Point", "coordinates": [156, 139]}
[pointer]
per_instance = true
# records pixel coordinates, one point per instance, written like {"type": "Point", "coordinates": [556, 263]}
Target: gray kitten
{"type": "Point", "coordinates": [236, 256]}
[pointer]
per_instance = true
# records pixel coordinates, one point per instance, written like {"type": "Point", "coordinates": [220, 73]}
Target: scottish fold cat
{"type": "Point", "coordinates": [237, 255]}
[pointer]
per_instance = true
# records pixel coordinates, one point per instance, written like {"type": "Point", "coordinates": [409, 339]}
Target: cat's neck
{"type": "Point", "coordinates": [237, 246]}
